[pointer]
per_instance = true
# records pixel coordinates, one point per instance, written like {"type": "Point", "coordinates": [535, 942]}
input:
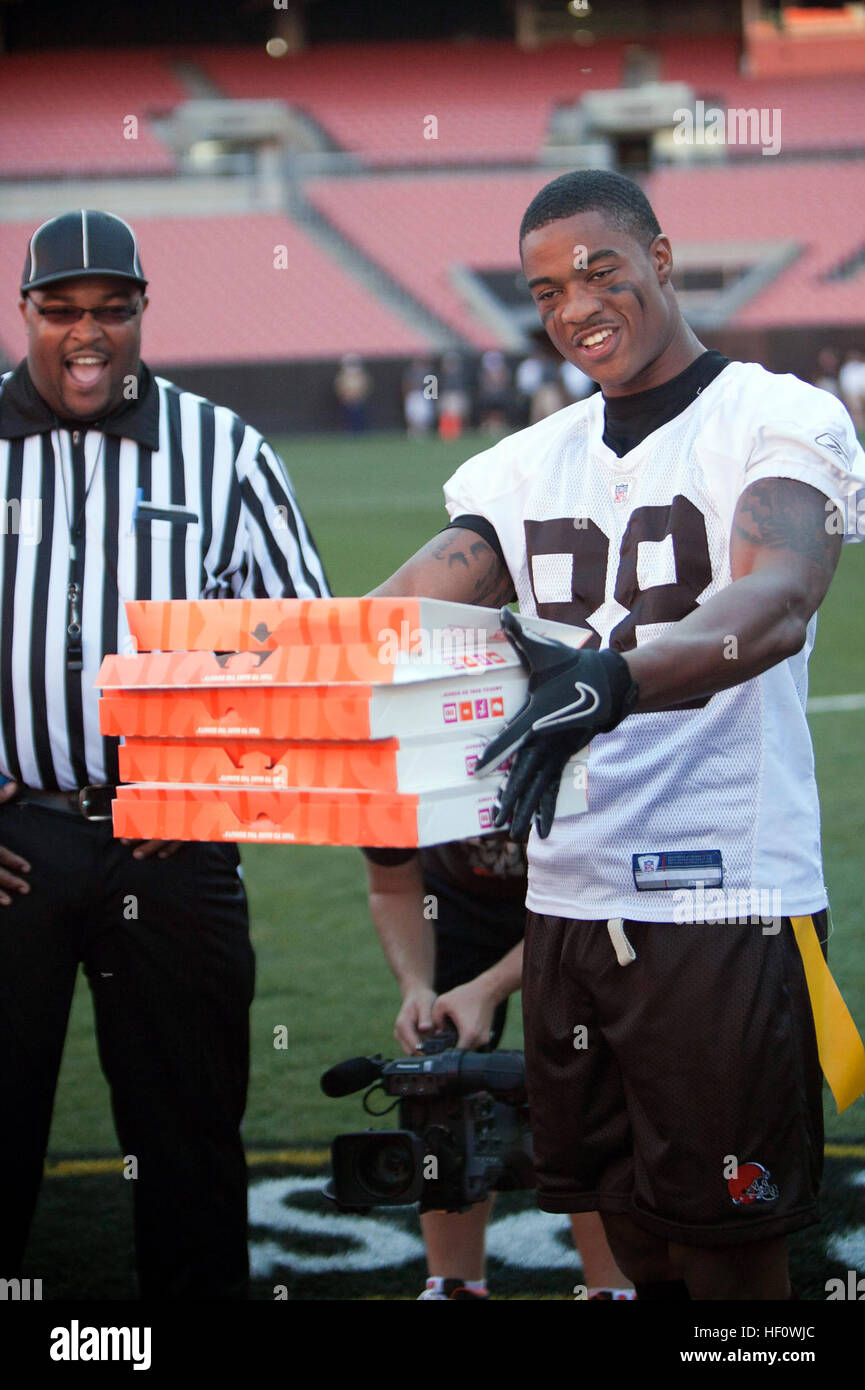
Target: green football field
{"type": "Point", "coordinates": [370, 502]}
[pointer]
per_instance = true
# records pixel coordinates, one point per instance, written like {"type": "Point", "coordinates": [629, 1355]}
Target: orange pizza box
{"type": "Point", "coordinates": [340, 712]}
{"type": "Point", "coordinates": [317, 816]}
{"type": "Point", "coordinates": [416, 625]}
{"type": "Point", "coordinates": [404, 764]}
{"type": "Point", "coordinates": [262, 763]}
{"type": "Point", "coordinates": [288, 666]}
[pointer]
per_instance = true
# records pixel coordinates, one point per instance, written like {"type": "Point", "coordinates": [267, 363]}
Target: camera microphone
{"type": "Point", "coordinates": [352, 1075]}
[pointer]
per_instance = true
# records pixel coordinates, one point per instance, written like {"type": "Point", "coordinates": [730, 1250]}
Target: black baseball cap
{"type": "Point", "coordinates": [77, 244]}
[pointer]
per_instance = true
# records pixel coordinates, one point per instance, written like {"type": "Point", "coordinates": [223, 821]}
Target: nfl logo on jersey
{"type": "Point", "coordinates": [620, 491]}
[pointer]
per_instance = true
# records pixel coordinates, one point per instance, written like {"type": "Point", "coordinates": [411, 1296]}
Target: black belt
{"type": "Point", "coordinates": [93, 802]}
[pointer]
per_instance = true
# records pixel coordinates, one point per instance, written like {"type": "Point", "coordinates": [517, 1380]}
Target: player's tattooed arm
{"type": "Point", "coordinates": [457, 565]}
{"type": "Point", "coordinates": [784, 549]}
{"type": "Point", "coordinates": [491, 582]}
{"type": "Point", "coordinates": [779, 514]}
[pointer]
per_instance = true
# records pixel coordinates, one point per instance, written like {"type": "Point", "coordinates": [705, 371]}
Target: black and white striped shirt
{"type": "Point", "coordinates": [171, 497]}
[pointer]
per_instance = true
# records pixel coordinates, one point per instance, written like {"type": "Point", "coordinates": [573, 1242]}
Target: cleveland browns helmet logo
{"type": "Point", "coordinates": [751, 1184]}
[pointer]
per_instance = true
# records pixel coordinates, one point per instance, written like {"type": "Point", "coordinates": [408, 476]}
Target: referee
{"type": "Point", "coordinates": [117, 485]}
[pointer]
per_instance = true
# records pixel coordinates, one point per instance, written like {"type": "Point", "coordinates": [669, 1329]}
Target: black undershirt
{"type": "Point", "coordinates": [628, 420]}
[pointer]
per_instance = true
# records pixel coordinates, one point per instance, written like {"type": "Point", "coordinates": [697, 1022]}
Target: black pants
{"type": "Point", "coordinates": [472, 934]}
{"type": "Point", "coordinates": [165, 946]}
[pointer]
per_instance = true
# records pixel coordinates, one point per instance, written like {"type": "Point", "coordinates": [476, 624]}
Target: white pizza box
{"type": "Point", "coordinates": [415, 625]}
{"type": "Point", "coordinates": [476, 703]}
{"type": "Point", "coordinates": [347, 665]}
{"type": "Point", "coordinates": [320, 816]}
{"type": "Point", "coordinates": [406, 764]}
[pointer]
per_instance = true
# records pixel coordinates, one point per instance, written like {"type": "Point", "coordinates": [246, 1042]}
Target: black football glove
{"type": "Point", "coordinates": [573, 695]}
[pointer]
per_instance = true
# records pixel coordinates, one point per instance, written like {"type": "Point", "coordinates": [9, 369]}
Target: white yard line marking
{"type": "Point", "coordinates": [831, 704]}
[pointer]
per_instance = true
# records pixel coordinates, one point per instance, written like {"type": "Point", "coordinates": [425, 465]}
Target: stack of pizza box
{"type": "Point", "coordinates": [314, 721]}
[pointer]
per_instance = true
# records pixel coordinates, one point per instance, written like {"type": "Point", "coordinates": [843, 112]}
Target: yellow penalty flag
{"type": "Point", "coordinates": [842, 1055]}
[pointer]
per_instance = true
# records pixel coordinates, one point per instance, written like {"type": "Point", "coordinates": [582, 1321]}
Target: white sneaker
{"type": "Point", "coordinates": [450, 1288]}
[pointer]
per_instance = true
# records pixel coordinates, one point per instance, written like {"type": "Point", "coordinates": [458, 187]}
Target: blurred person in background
{"type": "Point", "coordinates": [539, 387]}
{"type": "Point", "coordinates": [454, 399]}
{"type": "Point", "coordinates": [527, 379]}
{"type": "Point", "coordinates": [827, 371]}
{"type": "Point", "coordinates": [851, 380]}
{"type": "Point", "coordinates": [494, 394]}
{"type": "Point", "coordinates": [353, 387]}
{"type": "Point", "coordinates": [576, 383]}
{"type": "Point", "coordinates": [419, 390]}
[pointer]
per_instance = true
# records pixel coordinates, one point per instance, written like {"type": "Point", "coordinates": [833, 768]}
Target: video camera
{"type": "Point", "coordinates": [464, 1129]}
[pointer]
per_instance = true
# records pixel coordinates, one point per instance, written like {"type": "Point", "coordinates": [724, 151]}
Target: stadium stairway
{"type": "Point", "coordinates": [197, 84]}
{"type": "Point", "coordinates": [373, 277]}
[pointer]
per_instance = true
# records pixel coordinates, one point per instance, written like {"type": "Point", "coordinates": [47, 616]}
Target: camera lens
{"type": "Point", "coordinates": [385, 1167]}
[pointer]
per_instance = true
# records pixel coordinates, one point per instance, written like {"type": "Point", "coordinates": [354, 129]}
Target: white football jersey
{"type": "Point", "coordinates": [700, 813]}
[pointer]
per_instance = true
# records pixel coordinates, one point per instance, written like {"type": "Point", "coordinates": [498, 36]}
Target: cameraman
{"type": "Point", "coordinates": [450, 920]}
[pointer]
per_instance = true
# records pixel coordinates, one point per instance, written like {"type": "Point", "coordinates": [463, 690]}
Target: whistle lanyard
{"type": "Point", "coordinates": [75, 523]}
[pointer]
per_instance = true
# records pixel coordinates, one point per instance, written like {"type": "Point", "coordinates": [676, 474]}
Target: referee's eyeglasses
{"type": "Point", "coordinates": [109, 315]}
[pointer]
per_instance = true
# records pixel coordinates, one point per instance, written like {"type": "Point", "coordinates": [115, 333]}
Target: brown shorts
{"type": "Point", "coordinates": [684, 1088]}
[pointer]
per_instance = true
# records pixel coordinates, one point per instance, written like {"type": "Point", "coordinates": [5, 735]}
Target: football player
{"type": "Point", "coordinates": [688, 518]}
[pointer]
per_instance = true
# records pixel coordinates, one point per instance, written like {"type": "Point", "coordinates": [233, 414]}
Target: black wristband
{"type": "Point", "coordinates": [388, 858]}
{"type": "Point", "coordinates": [624, 691]}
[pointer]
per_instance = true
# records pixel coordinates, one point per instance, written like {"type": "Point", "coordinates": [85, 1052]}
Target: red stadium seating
{"type": "Point", "coordinates": [492, 102]}
{"type": "Point", "coordinates": [216, 296]}
{"type": "Point", "coordinates": [817, 113]}
{"type": "Point", "coordinates": [63, 113]}
{"type": "Point", "coordinates": [818, 204]}
{"type": "Point", "coordinates": [419, 228]}
{"type": "Point", "coordinates": [808, 42]}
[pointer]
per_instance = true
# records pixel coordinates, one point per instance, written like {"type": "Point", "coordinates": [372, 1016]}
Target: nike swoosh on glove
{"type": "Point", "coordinates": [573, 695]}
